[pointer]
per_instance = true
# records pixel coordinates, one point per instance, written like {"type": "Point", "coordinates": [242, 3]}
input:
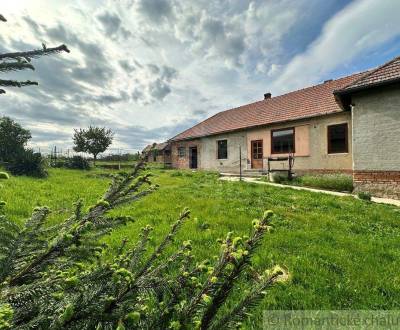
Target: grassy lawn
{"type": "Point", "coordinates": [342, 253]}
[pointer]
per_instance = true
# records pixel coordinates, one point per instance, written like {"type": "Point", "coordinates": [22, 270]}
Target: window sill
{"type": "Point", "coordinates": [339, 154]}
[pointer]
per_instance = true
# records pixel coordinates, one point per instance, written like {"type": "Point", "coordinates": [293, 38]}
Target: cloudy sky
{"type": "Point", "coordinates": [149, 69]}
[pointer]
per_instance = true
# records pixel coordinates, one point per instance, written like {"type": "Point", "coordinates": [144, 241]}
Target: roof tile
{"type": "Point", "coordinates": [385, 73]}
{"type": "Point", "coordinates": [308, 102]}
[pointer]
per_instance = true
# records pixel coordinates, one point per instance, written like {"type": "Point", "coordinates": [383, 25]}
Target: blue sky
{"type": "Point", "coordinates": [149, 69]}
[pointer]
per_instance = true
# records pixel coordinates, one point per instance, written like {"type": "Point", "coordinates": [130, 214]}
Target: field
{"type": "Point", "coordinates": [342, 253]}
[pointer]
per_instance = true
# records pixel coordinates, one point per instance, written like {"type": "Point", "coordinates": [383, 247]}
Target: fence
{"type": "Point", "coordinates": [117, 155]}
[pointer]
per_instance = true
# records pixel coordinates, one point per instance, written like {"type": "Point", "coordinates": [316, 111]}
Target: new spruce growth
{"type": "Point", "coordinates": [58, 277]}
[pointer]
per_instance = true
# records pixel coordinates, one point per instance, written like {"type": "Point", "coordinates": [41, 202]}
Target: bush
{"type": "Point", "coordinates": [77, 163]}
{"type": "Point", "coordinates": [337, 182]}
{"type": "Point", "coordinates": [4, 175]}
{"type": "Point", "coordinates": [364, 195]}
{"type": "Point", "coordinates": [27, 163]}
{"type": "Point", "coordinates": [278, 177]}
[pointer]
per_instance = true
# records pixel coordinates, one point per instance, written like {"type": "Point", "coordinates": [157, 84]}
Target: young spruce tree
{"type": "Point", "coordinates": [56, 277]}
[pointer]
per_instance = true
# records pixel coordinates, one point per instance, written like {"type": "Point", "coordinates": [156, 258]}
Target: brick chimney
{"type": "Point", "coordinates": [267, 96]}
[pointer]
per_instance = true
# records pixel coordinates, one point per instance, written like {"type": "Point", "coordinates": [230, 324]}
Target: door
{"type": "Point", "coordinates": [257, 154]}
{"type": "Point", "coordinates": [193, 157]}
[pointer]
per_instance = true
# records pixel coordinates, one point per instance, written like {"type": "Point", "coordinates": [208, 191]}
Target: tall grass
{"type": "Point", "coordinates": [337, 182]}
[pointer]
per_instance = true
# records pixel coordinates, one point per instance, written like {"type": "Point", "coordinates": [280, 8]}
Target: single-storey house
{"type": "Point", "coordinates": [347, 125]}
{"type": "Point", "coordinates": [158, 153]}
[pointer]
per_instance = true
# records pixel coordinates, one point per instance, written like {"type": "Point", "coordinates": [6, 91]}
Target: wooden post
{"type": "Point", "coordinates": [119, 159]}
{"type": "Point", "coordinates": [240, 163]}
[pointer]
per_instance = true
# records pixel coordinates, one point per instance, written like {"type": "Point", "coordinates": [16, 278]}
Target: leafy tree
{"type": "Point", "coordinates": [13, 138]}
{"type": "Point", "coordinates": [22, 60]}
{"type": "Point", "coordinates": [93, 140]}
{"type": "Point", "coordinates": [62, 277]}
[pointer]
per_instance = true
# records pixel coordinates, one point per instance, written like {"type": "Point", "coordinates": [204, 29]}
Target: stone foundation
{"type": "Point", "coordinates": [379, 183]}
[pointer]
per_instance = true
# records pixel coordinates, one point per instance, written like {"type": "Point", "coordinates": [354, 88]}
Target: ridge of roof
{"type": "Point", "coordinates": [371, 72]}
{"type": "Point", "coordinates": [248, 111]}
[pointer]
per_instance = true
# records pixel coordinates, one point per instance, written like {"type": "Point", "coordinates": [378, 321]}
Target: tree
{"type": "Point", "coordinates": [13, 138]}
{"type": "Point", "coordinates": [93, 140]}
{"type": "Point", "coordinates": [21, 61]}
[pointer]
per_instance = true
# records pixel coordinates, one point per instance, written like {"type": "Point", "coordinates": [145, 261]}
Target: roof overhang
{"type": "Point", "coordinates": [343, 96]}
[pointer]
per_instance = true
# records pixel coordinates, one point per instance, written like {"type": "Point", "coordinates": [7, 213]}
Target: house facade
{"type": "Point", "coordinates": [348, 125]}
{"type": "Point", "coordinates": [158, 153]}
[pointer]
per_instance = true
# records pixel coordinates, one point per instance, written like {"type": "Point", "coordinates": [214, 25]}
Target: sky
{"type": "Point", "coordinates": [149, 69]}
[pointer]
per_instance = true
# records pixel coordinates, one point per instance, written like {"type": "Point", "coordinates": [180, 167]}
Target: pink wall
{"type": "Point", "coordinates": [302, 140]}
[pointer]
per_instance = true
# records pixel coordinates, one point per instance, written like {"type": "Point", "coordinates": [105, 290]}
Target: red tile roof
{"type": "Point", "coordinates": [388, 72]}
{"type": "Point", "coordinates": [308, 102]}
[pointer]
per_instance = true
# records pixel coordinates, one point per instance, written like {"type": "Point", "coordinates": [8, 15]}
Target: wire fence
{"type": "Point", "coordinates": [109, 154]}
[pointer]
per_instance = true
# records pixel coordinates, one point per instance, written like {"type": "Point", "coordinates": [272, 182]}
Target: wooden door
{"type": "Point", "coordinates": [257, 154]}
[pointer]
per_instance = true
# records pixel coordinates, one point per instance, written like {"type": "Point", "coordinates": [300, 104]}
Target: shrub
{"type": "Point", "coordinates": [337, 182]}
{"type": "Point", "coordinates": [77, 163]}
{"type": "Point", "coordinates": [62, 276]}
{"type": "Point", "coordinates": [27, 163]}
{"type": "Point", "coordinates": [364, 195]}
{"type": "Point", "coordinates": [4, 175]}
{"type": "Point", "coordinates": [278, 177]}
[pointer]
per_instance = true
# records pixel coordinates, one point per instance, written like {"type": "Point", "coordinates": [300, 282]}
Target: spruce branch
{"type": "Point", "coordinates": [233, 318]}
{"type": "Point", "coordinates": [2, 18]}
{"type": "Point", "coordinates": [35, 53]}
{"type": "Point", "coordinates": [15, 66]}
{"type": "Point", "coordinates": [14, 83]}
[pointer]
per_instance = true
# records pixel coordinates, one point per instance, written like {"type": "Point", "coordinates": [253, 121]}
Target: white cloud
{"type": "Point", "coordinates": [360, 27]}
{"type": "Point", "coordinates": [148, 68]}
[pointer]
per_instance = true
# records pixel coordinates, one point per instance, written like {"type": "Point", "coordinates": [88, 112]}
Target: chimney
{"type": "Point", "coordinates": [328, 80]}
{"type": "Point", "coordinates": [267, 96]}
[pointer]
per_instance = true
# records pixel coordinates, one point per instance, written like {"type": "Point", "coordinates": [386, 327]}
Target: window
{"type": "Point", "coordinates": [222, 149]}
{"type": "Point", "coordinates": [338, 139]}
{"type": "Point", "coordinates": [257, 149]}
{"type": "Point", "coordinates": [181, 152]}
{"type": "Point", "coordinates": [282, 141]}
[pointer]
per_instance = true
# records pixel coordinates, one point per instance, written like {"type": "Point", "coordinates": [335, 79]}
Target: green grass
{"type": "Point", "coordinates": [342, 253]}
{"type": "Point", "coordinates": [335, 182]}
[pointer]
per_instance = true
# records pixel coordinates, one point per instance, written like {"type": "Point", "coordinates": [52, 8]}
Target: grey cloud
{"type": "Point", "coordinates": [155, 10]}
{"type": "Point", "coordinates": [159, 89]}
{"type": "Point", "coordinates": [40, 136]}
{"type": "Point", "coordinates": [32, 24]}
{"type": "Point", "coordinates": [111, 22]}
{"type": "Point", "coordinates": [137, 95]}
{"type": "Point", "coordinates": [112, 25]}
{"type": "Point", "coordinates": [127, 66]}
{"type": "Point", "coordinates": [37, 111]}
{"type": "Point", "coordinates": [138, 136]}
{"type": "Point", "coordinates": [97, 69]}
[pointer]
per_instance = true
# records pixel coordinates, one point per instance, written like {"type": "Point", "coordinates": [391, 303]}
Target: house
{"type": "Point", "coordinates": [158, 153]}
{"type": "Point", "coordinates": [347, 125]}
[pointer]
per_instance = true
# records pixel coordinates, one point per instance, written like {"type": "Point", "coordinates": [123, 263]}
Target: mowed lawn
{"type": "Point", "coordinates": [342, 253]}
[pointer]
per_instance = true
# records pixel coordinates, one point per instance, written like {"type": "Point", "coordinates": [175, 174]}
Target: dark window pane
{"type": "Point", "coordinates": [222, 149]}
{"type": "Point", "coordinates": [337, 139]}
{"type": "Point", "coordinates": [283, 141]}
{"type": "Point", "coordinates": [181, 152]}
